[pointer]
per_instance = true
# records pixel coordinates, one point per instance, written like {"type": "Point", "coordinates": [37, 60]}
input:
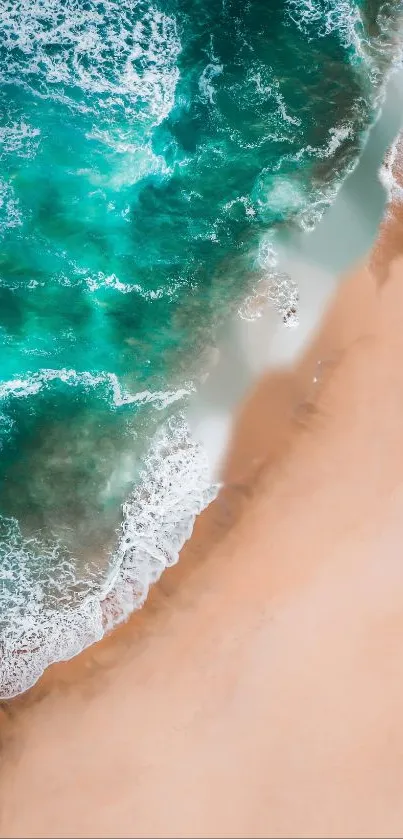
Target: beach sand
{"type": "Point", "coordinates": [259, 690]}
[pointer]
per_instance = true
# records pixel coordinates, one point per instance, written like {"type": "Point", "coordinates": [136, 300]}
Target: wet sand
{"type": "Point", "coordinates": [259, 691]}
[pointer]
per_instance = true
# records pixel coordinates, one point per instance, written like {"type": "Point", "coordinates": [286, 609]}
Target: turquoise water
{"type": "Point", "coordinates": [150, 153]}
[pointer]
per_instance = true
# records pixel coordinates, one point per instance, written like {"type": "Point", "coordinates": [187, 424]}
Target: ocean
{"type": "Point", "coordinates": [155, 159]}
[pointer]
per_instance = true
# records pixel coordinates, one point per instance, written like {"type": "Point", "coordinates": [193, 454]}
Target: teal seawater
{"type": "Point", "coordinates": [149, 152]}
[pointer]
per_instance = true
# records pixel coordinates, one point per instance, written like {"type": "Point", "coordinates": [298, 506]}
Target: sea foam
{"type": "Point", "coordinates": [40, 625]}
{"type": "Point", "coordinates": [102, 53]}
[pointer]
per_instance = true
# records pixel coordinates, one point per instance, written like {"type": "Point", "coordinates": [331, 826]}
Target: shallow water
{"type": "Point", "coordinates": [154, 157]}
{"type": "Point", "coordinates": [308, 272]}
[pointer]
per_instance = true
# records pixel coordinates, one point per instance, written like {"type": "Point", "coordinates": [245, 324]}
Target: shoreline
{"type": "Point", "coordinates": [258, 690]}
{"type": "Point", "coordinates": [284, 375]}
{"type": "Point", "coordinates": [260, 439]}
{"type": "Point", "coordinates": [265, 348]}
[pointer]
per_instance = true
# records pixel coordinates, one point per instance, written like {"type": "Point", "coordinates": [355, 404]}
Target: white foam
{"type": "Point", "coordinates": [245, 201]}
{"type": "Point", "coordinates": [159, 517]}
{"type": "Point", "coordinates": [338, 134]}
{"type": "Point", "coordinates": [40, 624]}
{"type": "Point", "coordinates": [391, 174]}
{"type": "Point", "coordinates": [318, 18]}
{"type": "Point", "coordinates": [133, 160]}
{"type": "Point", "coordinates": [36, 624]}
{"type": "Point", "coordinates": [206, 86]}
{"type": "Point", "coordinates": [280, 291]}
{"type": "Point", "coordinates": [102, 280]}
{"type": "Point", "coordinates": [19, 138]}
{"type": "Point", "coordinates": [267, 86]}
{"type": "Point", "coordinates": [10, 212]}
{"type": "Point", "coordinates": [42, 621]}
{"type": "Point", "coordinates": [32, 383]}
{"type": "Point", "coordinates": [282, 194]}
{"type": "Point", "coordinates": [343, 18]}
{"type": "Point", "coordinates": [119, 53]}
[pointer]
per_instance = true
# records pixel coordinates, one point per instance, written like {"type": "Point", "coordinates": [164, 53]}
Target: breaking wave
{"type": "Point", "coordinates": [50, 612]}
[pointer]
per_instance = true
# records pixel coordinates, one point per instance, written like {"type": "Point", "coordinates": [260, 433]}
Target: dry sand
{"type": "Point", "coordinates": [259, 691]}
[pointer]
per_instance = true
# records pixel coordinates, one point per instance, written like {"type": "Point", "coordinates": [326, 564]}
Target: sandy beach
{"type": "Point", "coordinates": [259, 690]}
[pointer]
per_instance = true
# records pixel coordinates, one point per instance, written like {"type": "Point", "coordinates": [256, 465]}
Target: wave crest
{"type": "Point", "coordinates": [114, 51]}
{"type": "Point", "coordinates": [40, 624]}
